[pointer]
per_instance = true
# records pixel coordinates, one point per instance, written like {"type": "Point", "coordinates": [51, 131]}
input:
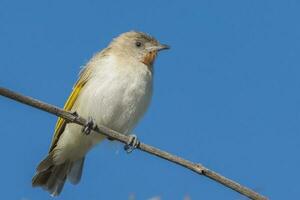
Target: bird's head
{"type": "Point", "coordinates": [138, 45]}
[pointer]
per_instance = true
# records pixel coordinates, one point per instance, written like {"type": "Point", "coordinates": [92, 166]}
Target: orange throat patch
{"type": "Point", "coordinates": [149, 58]}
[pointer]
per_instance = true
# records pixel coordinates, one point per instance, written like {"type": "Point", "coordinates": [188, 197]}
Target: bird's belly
{"type": "Point", "coordinates": [73, 144]}
{"type": "Point", "coordinates": [117, 105]}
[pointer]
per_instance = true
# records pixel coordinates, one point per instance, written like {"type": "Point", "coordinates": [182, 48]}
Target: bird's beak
{"type": "Point", "coordinates": [159, 47]}
{"type": "Point", "coordinates": [162, 47]}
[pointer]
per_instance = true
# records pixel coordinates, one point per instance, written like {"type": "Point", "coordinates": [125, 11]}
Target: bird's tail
{"type": "Point", "coordinates": [52, 177]}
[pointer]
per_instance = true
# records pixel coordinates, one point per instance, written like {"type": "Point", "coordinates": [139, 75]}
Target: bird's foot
{"type": "Point", "coordinates": [75, 115]}
{"type": "Point", "coordinates": [132, 144]}
{"type": "Point", "coordinates": [90, 125]}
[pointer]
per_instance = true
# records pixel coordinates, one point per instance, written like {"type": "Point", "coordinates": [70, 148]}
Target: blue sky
{"type": "Point", "coordinates": [226, 95]}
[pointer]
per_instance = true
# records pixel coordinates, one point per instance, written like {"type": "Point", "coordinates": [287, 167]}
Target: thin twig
{"type": "Point", "coordinates": [71, 117]}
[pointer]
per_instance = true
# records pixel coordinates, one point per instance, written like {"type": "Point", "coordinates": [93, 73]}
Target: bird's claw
{"type": "Point", "coordinates": [132, 144]}
{"type": "Point", "coordinates": [90, 125]}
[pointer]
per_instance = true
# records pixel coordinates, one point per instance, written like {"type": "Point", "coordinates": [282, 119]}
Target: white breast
{"type": "Point", "coordinates": [116, 96]}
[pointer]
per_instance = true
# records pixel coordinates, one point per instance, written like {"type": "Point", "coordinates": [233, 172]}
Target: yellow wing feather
{"type": "Point", "coordinates": [61, 123]}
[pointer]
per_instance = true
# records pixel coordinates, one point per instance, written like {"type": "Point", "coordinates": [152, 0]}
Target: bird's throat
{"type": "Point", "coordinates": [149, 58]}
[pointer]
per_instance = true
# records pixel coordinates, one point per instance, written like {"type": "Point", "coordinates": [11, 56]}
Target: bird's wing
{"type": "Point", "coordinates": [84, 76]}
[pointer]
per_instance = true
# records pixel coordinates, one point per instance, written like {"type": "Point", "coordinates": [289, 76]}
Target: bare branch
{"type": "Point", "coordinates": [196, 167]}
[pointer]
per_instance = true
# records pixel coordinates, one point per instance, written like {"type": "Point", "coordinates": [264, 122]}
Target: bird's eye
{"type": "Point", "coordinates": [138, 44]}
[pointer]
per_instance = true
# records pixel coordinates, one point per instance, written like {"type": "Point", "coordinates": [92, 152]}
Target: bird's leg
{"type": "Point", "coordinates": [75, 114]}
{"type": "Point", "coordinates": [132, 144]}
{"type": "Point", "coordinates": [90, 125]}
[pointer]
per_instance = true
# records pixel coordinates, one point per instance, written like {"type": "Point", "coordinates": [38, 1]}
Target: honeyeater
{"type": "Point", "coordinates": [113, 89]}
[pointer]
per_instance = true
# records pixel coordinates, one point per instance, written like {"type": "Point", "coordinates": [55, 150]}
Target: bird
{"type": "Point", "coordinates": [113, 89]}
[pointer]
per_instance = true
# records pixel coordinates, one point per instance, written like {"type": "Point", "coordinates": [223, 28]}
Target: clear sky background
{"type": "Point", "coordinates": [226, 95]}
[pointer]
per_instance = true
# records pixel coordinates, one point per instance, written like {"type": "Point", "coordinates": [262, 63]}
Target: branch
{"type": "Point", "coordinates": [73, 118]}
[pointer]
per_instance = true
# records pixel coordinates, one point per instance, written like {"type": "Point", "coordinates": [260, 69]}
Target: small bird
{"type": "Point", "coordinates": [114, 89]}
